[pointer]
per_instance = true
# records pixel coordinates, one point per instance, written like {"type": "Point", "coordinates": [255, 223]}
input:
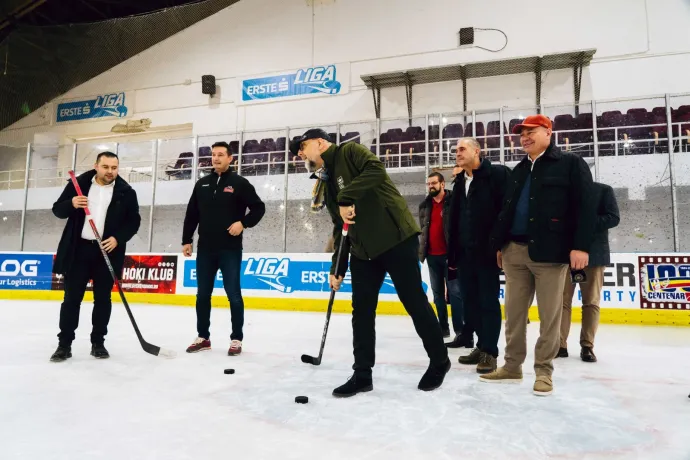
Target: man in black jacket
{"type": "Point", "coordinates": [115, 210]}
{"type": "Point", "coordinates": [546, 224]}
{"type": "Point", "coordinates": [599, 257]}
{"type": "Point", "coordinates": [477, 198]}
{"type": "Point", "coordinates": [433, 248]}
{"type": "Point", "coordinates": [218, 206]}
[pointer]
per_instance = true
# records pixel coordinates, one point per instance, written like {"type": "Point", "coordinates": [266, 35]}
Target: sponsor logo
{"type": "Point", "coordinates": [665, 282]}
{"type": "Point", "coordinates": [26, 271]}
{"type": "Point", "coordinates": [283, 275]}
{"type": "Point", "coordinates": [104, 106]}
{"type": "Point", "coordinates": [11, 267]}
{"type": "Point", "coordinates": [310, 80]}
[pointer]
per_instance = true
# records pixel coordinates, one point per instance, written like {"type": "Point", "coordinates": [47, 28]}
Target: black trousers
{"type": "Point", "coordinates": [88, 265]}
{"type": "Point", "coordinates": [402, 264]}
{"type": "Point", "coordinates": [480, 287]}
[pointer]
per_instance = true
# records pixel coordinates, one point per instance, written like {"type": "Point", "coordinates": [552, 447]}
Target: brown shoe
{"type": "Point", "coordinates": [472, 358]}
{"type": "Point", "coordinates": [543, 385]}
{"type": "Point", "coordinates": [501, 375]}
{"type": "Point", "coordinates": [487, 363]}
{"type": "Point", "coordinates": [200, 344]}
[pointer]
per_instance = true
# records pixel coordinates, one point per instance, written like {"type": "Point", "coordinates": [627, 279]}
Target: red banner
{"type": "Point", "coordinates": [142, 273]}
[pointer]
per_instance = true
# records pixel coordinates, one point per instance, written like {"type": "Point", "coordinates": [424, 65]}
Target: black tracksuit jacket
{"type": "Point", "coordinates": [216, 203]}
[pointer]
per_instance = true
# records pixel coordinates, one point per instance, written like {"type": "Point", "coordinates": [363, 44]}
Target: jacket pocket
{"type": "Point", "coordinates": [395, 222]}
{"type": "Point", "coordinates": [556, 225]}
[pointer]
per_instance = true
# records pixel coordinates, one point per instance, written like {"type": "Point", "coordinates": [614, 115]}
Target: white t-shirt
{"type": "Point", "coordinates": [100, 197]}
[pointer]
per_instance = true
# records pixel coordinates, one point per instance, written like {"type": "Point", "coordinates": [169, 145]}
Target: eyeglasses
{"type": "Point", "coordinates": [429, 184]}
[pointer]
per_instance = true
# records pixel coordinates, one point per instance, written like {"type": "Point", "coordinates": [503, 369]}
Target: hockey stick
{"type": "Point", "coordinates": [148, 348]}
{"type": "Point", "coordinates": [310, 359]}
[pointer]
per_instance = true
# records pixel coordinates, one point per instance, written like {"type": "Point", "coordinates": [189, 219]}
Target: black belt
{"type": "Point", "coordinates": [85, 241]}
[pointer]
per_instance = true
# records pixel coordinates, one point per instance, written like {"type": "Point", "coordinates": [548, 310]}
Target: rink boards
{"type": "Point", "coordinates": [638, 288]}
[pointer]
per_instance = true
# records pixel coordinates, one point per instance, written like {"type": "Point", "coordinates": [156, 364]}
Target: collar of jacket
{"type": "Point", "coordinates": [446, 197]}
{"type": "Point", "coordinates": [87, 177]}
{"type": "Point", "coordinates": [329, 159]}
{"type": "Point", "coordinates": [228, 172]}
{"type": "Point", "coordinates": [482, 171]}
{"type": "Point", "coordinates": [551, 153]}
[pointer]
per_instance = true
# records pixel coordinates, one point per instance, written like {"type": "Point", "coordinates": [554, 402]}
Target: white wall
{"type": "Point", "coordinates": [642, 48]}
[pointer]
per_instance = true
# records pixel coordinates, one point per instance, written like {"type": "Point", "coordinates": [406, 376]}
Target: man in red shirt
{"type": "Point", "coordinates": [433, 218]}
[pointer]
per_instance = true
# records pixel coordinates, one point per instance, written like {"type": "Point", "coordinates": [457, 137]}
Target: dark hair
{"type": "Point", "coordinates": [107, 155]}
{"type": "Point", "coordinates": [438, 176]}
{"type": "Point", "coordinates": [222, 144]}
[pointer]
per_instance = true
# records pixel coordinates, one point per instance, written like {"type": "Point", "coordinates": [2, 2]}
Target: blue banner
{"type": "Point", "coordinates": [311, 80]}
{"type": "Point", "coordinates": [26, 271]}
{"type": "Point", "coordinates": [283, 275]}
{"type": "Point", "coordinates": [105, 106]}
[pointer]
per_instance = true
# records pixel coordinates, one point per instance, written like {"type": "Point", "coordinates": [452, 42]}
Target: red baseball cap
{"type": "Point", "coordinates": [532, 122]}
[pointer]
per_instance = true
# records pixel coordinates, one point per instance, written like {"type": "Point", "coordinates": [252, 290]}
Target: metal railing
{"type": "Point", "coordinates": [432, 147]}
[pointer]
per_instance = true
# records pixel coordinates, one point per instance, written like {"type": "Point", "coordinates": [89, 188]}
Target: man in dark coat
{"type": "Point", "coordinates": [115, 210]}
{"type": "Point", "coordinates": [546, 225]}
{"type": "Point", "coordinates": [599, 257]}
{"type": "Point", "coordinates": [477, 199]}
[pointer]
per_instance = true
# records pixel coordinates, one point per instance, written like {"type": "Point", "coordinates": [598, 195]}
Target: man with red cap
{"type": "Point", "coordinates": [546, 225]}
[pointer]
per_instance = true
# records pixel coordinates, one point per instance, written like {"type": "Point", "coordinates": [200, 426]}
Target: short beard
{"type": "Point", "coordinates": [434, 193]}
{"type": "Point", "coordinates": [311, 166]}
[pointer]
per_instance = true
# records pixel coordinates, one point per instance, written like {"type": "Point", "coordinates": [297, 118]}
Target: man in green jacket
{"type": "Point", "coordinates": [382, 238]}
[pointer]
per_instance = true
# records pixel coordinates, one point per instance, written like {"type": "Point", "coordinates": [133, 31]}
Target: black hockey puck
{"type": "Point", "coordinates": [229, 371]}
{"type": "Point", "coordinates": [301, 399]}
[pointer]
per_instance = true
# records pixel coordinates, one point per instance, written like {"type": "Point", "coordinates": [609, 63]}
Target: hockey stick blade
{"type": "Point", "coordinates": [147, 347]}
{"type": "Point", "coordinates": [310, 360]}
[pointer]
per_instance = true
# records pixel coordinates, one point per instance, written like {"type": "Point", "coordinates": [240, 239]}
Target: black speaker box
{"type": "Point", "coordinates": [466, 36]}
{"type": "Point", "coordinates": [208, 84]}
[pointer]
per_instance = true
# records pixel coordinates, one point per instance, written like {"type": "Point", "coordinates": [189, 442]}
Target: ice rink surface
{"type": "Point", "coordinates": [632, 404]}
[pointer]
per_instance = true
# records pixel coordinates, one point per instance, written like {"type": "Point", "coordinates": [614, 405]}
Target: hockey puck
{"type": "Point", "coordinates": [301, 399]}
{"type": "Point", "coordinates": [229, 371]}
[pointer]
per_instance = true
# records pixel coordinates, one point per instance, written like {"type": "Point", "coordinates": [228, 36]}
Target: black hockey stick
{"type": "Point", "coordinates": [148, 348]}
{"type": "Point", "coordinates": [310, 359]}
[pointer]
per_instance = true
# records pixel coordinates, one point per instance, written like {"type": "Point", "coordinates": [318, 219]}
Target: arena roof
{"type": "Point", "coordinates": [48, 47]}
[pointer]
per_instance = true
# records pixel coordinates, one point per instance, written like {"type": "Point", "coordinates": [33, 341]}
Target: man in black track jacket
{"type": "Point", "coordinates": [218, 206]}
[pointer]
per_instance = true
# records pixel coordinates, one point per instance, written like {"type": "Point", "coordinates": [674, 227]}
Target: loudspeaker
{"type": "Point", "coordinates": [466, 36]}
{"type": "Point", "coordinates": [208, 84]}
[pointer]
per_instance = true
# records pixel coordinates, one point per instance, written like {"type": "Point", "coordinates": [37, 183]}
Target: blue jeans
{"type": "Point", "coordinates": [229, 262]}
{"type": "Point", "coordinates": [438, 272]}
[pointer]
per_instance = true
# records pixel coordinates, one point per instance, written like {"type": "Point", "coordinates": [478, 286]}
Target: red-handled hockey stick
{"type": "Point", "coordinates": [148, 348]}
{"type": "Point", "coordinates": [310, 359]}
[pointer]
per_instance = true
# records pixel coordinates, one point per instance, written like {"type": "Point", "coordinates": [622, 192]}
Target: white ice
{"type": "Point", "coordinates": [633, 403]}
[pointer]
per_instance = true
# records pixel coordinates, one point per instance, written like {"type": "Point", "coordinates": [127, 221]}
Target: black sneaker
{"type": "Point", "coordinates": [461, 341]}
{"type": "Point", "coordinates": [62, 353]}
{"type": "Point", "coordinates": [562, 353]}
{"type": "Point", "coordinates": [472, 358]}
{"type": "Point", "coordinates": [587, 355]}
{"type": "Point", "coordinates": [356, 384]}
{"type": "Point", "coordinates": [433, 377]}
{"type": "Point", "coordinates": [99, 351]}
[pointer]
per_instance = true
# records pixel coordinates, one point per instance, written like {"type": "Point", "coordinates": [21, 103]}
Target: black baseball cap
{"type": "Point", "coordinates": [314, 133]}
